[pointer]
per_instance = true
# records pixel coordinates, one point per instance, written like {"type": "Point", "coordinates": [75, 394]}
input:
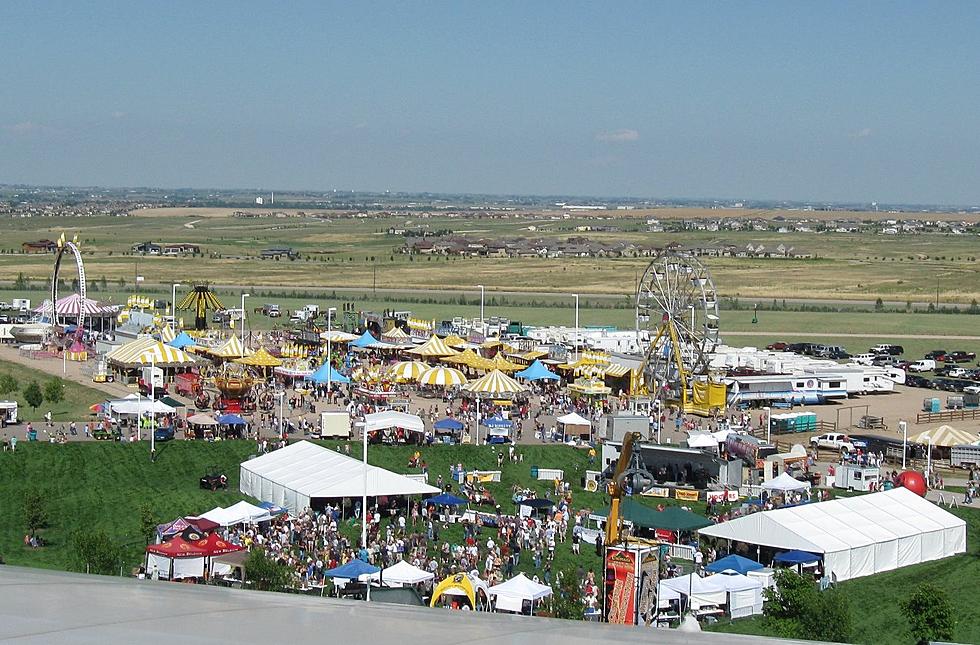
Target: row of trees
{"type": "Point", "coordinates": [796, 608]}
{"type": "Point", "coordinates": [34, 395]}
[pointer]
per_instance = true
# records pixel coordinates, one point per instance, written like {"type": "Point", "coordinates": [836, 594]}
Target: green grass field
{"type": "Point", "coordinates": [101, 486]}
{"type": "Point", "coordinates": [341, 251]}
{"type": "Point", "coordinates": [73, 407]}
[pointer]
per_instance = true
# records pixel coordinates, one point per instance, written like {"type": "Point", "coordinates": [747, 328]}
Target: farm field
{"type": "Point", "coordinates": [358, 252]}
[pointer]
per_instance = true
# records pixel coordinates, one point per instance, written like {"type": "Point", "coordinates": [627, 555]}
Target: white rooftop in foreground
{"type": "Point", "coordinates": [52, 607]}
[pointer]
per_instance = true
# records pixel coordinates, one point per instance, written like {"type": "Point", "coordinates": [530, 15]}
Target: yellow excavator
{"type": "Point", "coordinates": [613, 522]}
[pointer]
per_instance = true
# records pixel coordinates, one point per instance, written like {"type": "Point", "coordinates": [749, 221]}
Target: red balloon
{"type": "Point", "coordinates": [914, 481]}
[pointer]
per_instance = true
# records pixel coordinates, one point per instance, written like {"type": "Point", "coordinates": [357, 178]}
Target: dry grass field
{"type": "Point", "coordinates": [338, 250]}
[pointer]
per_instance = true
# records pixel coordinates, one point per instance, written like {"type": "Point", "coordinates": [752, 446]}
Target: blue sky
{"type": "Point", "coordinates": [846, 101]}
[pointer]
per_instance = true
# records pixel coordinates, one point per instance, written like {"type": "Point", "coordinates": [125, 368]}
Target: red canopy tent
{"type": "Point", "coordinates": [178, 547]}
{"type": "Point", "coordinates": [214, 545]}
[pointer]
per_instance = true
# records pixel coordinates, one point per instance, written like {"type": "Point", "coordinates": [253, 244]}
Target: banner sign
{"type": "Point", "coordinates": [620, 587]}
{"type": "Point", "coordinates": [657, 491]}
{"type": "Point", "coordinates": [686, 495]}
{"type": "Point", "coordinates": [722, 496]}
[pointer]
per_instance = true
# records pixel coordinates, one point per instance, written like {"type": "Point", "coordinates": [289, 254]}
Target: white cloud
{"type": "Point", "coordinates": [862, 133]}
{"type": "Point", "coordinates": [618, 136]}
{"type": "Point", "coordinates": [118, 114]}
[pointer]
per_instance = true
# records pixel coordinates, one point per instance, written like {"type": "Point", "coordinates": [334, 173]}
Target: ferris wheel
{"type": "Point", "coordinates": [677, 323]}
{"type": "Point", "coordinates": [71, 247]}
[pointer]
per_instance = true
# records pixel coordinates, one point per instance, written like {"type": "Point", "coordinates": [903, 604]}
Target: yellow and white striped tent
{"type": "Point", "coordinates": [504, 365]}
{"type": "Point", "coordinates": [432, 348]}
{"type": "Point", "coordinates": [167, 334]}
{"type": "Point", "coordinates": [260, 358]}
{"type": "Point", "coordinates": [337, 336]}
{"type": "Point", "coordinates": [146, 351]}
{"type": "Point", "coordinates": [495, 382]}
{"type": "Point", "coordinates": [945, 436]}
{"type": "Point", "coordinates": [395, 335]}
{"type": "Point", "coordinates": [454, 341]}
{"type": "Point", "coordinates": [231, 348]}
{"type": "Point", "coordinates": [408, 370]}
{"type": "Point", "coordinates": [442, 376]}
{"type": "Point", "coordinates": [463, 358]}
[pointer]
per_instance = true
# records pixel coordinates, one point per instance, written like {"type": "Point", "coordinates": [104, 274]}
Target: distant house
{"type": "Point", "coordinates": [147, 248]}
{"type": "Point", "coordinates": [279, 252]}
{"type": "Point", "coordinates": [41, 246]}
{"type": "Point", "coordinates": [180, 249]}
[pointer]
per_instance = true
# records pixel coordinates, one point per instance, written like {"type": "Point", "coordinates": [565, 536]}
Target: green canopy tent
{"type": "Point", "coordinates": [673, 518]}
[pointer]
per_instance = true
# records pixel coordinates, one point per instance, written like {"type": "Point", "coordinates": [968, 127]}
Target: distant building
{"type": "Point", "coordinates": [41, 246]}
{"type": "Point", "coordinates": [147, 248]}
{"type": "Point", "coordinates": [279, 252]}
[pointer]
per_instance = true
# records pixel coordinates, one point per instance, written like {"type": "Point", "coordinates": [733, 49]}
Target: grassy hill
{"type": "Point", "coordinates": [74, 406]}
{"type": "Point", "coordinates": [101, 486]}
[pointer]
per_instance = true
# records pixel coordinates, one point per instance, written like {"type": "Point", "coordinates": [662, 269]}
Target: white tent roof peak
{"type": "Point", "coordinates": [291, 476]}
{"type": "Point", "coordinates": [786, 482]}
{"type": "Point", "coordinates": [392, 419]}
{"type": "Point", "coordinates": [573, 419]}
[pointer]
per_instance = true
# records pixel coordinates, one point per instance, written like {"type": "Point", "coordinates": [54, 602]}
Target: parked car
{"type": "Point", "coordinates": [925, 365]}
{"type": "Point", "coordinates": [960, 356]}
{"type": "Point", "coordinates": [937, 355]}
{"type": "Point", "coordinates": [796, 348]}
{"type": "Point", "coordinates": [863, 359]}
{"type": "Point", "coordinates": [885, 348]}
{"type": "Point", "coordinates": [833, 441]}
{"type": "Point", "coordinates": [914, 380]}
{"type": "Point", "coordinates": [777, 347]}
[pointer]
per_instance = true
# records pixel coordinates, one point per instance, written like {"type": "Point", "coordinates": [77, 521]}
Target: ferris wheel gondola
{"type": "Point", "coordinates": [677, 323]}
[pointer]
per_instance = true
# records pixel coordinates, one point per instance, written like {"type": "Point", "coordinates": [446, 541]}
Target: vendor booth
{"type": "Point", "coordinates": [519, 594]}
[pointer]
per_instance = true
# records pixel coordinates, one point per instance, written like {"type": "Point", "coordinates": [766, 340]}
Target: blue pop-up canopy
{"type": "Point", "coordinates": [536, 371]}
{"type": "Point", "coordinates": [326, 373]}
{"type": "Point", "coordinates": [353, 570]}
{"type": "Point", "coordinates": [445, 499]}
{"type": "Point", "coordinates": [734, 563]}
{"type": "Point", "coordinates": [797, 557]}
{"type": "Point", "coordinates": [497, 422]}
{"type": "Point", "coordinates": [366, 340]}
{"type": "Point", "coordinates": [447, 424]}
{"type": "Point", "coordinates": [231, 420]}
{"type": "Point", "coordinates": [181, 341]}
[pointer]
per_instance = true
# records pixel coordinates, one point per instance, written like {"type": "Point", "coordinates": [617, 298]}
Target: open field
{"type": "Point", "coordinates": [875, 600]}
{"type": "Point", "coordinates": [73, 407]}
{"type": "Point", "coordinates": [358, 252]}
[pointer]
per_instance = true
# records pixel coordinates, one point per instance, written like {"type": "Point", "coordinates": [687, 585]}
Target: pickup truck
{"type": "Point", "coordinates": [960, 357]}
{"type": "Point", "coordinates": [833, 441]}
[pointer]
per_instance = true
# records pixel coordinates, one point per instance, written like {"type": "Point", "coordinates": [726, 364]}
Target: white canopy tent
{"type": "Point", "coordinates": [292, 476]}
{"type": "Point", "coordinates": [511, 594]}
{"type": "Point", "coordinates": [402, 573]}
{"type": "Point", "coordinates": [857, 536]}
{"type": "Point", "coordinates": [139, 406]}
{"type": "Point", "coordinates": [575, 424]}
{"type": "Point", "coordinates": [240, 513]}
{"type": "Point", "coordinates": [785, 483]}
{"type": "Point", "coordinates": [392, 419]}
{"type": "Point", "coordinates": [703, 592]}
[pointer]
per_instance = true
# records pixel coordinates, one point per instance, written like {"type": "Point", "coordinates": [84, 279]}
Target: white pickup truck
{"type": "Point", "coordinates": [833, 441]}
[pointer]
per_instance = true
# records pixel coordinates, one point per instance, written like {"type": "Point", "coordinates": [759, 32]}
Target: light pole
{"type": "Point", "coordinates": [576, 326]}
{"type": "Point", "coordinates": [244, 295]}
{"type": "Point", "coordinates": [928, 459]}
{"type": "Point", "coordinates": [768, 412]}
{"type": "Point", "coordinates": [330, 312]}
{"type": "Point", "coordinates": [173, 302]}
{"type": "Point", "coordinates": [153, 396]}
{"type": "Point", "coordinates": [364, 540]}
{"type": "Point", "coordinates": [482, 294]}
{"type": "Point", "coordinates": [905, 439]}
{"type": "Point", "coordinates": [282, 427]}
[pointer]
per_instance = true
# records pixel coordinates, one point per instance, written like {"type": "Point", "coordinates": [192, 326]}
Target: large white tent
{"type": "Point", "coordinates": [857, 536]}
{"type": "Point", "coordinates": [742, 594]}
{"type": "Point", "coordinates": [294, 475]}
{"type": "Point", "coordinates": [392, 419]}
